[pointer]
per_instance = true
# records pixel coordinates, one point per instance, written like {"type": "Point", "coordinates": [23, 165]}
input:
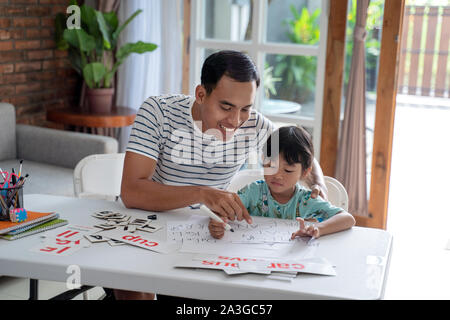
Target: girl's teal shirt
{"type": "Point", "coordinates": [257, 199]}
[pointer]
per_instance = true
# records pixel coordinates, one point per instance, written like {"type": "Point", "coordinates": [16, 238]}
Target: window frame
{"type": "Point", "coordinates": [257, 48]}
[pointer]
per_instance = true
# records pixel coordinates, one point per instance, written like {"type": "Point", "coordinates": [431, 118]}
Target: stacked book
{"type": "Point", "coordinates": [36, 222]}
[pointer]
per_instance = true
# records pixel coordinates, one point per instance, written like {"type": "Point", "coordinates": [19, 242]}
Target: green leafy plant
{"type": "Point", "coordinates": [299, 72]}
{"type": "Point", "coordinates": [93, 46]}
{"type": "Point", "coordinates": [269, 81]}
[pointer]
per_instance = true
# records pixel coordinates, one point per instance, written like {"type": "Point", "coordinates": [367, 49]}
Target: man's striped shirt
{"type": "Point", "coordinates": [164, 130]}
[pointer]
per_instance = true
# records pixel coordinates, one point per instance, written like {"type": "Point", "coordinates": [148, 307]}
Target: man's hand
{"type": "Point", "coordinates": [317, 191]}
{"type": "Point", "coordinates": [316, 181]}
{"type": "Point", "coordinates": [225, 204]}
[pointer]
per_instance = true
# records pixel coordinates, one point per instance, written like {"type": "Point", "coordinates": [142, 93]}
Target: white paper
{"type": "Point", "coordinates": [139, 240]}
{"type": "Point", "coordinates": [261, 231]}
{"type": "Point", "coordinates": [55, 248]}
{"type": "Point", "coordinates": [64, 241]}
{"type": "Point", "coordinates": [234, 265]}
{"type": "Point", "coordinates": [70, 231]}
{"type": "Point", "coordinates": [268, 234]}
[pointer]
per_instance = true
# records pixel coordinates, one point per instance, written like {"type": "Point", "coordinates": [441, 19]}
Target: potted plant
{"type": "Point", "coordinates": [92, 47]}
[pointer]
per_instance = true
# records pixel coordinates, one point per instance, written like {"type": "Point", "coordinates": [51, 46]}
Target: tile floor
{"type": "Point", "coordinates": [418, 217]}
{"type": "Point", "coordinates": [18, 289]}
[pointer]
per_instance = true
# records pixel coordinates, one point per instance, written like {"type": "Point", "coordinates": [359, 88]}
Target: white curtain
{"type": "Point", "coordinates": [157, 72]}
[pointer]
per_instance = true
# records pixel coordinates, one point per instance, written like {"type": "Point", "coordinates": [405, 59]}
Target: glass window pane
{"type": "Point", "coordinates": [295, 21]}
{"type": "Point", "coordinates": [289, 84]}
{"type": "Point", "coordinates": [227, 19]}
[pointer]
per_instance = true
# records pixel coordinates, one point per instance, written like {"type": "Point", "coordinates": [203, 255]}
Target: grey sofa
{"type": "Point", "coordinates": [49, 155]}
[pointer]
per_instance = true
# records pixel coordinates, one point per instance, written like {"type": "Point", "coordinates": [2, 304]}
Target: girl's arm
{"type": "Point", "coordinates": [341, 221]}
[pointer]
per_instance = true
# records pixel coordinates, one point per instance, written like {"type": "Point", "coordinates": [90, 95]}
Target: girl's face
{"type": "Point", "coordinates": [282, 182]}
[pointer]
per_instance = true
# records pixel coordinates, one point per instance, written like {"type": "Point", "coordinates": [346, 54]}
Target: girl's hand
{"type": "Point", "coordinates": [310, 230]}
{"type": "Point", "coordinates": [217, 229]}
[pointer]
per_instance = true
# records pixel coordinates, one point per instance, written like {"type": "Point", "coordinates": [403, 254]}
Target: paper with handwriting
{"type": "Point", "coordinates": [262, 230]}
{"type": "Point", "coordinates": [264, 237]}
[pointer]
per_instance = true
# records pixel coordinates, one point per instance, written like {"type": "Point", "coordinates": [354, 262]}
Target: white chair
{"type": "Point", "coordinates": [337, 195]}
{"type": "Point", "coordinates": [243, 178]}
{"type": "Point", "coordinates": [99, 176]}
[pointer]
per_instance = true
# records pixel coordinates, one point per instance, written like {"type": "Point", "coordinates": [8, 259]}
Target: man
{"type": "Point", "coordinates": [185, 150]}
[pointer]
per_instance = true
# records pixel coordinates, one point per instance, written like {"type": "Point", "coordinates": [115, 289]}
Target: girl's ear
{"type": "Point", "coordinates": [306, 173]}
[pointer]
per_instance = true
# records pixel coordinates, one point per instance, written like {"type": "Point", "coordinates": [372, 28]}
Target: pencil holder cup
{"type": "Point", "coordinates": [11, 204]}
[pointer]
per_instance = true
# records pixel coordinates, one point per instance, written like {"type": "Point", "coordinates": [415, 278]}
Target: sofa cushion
{"type": "Point", "coordinates": [58, 147]}
{"type": "Point", "coordinates": [43, 178]}
{"type": "Point", "coordinates": [8, 131]}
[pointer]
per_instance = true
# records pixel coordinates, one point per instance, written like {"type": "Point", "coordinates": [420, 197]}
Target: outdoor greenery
{"type": "Point", "coordinates": [298, 72]}
{"type": "Point", "coordinates": [93, 46]}
{"type": "Point", "coordinates": [269, 81]}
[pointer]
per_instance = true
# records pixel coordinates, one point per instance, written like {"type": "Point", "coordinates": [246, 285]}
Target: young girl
{"type": "Point", "coordinates": [280, 195]}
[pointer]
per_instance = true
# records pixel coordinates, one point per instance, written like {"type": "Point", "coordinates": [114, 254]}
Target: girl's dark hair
{"type": "Point", "coordinates": [294, 143]}
{"type": "Point", "coordinates": [234, 64]}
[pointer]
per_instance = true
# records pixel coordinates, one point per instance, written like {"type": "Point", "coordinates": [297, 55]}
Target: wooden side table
{"type": "Point", "coordinates": [81, 120]}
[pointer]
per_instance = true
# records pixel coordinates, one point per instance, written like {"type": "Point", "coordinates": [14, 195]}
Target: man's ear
{"type": "Point", "coordinates": [200, 94]}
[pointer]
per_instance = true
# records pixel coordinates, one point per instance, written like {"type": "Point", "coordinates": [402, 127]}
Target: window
{"type": "Point", "coordinates": [287, 41]}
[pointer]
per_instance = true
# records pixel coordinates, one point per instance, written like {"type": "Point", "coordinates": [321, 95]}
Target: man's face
{"type": "Point", "coordinates": [226, 108]}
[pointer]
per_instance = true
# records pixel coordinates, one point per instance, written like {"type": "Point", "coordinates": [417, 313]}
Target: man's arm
{"type": "Point", "coordinates": [138, 191]}
{"type": "Point", "coordinates": [314, 179]}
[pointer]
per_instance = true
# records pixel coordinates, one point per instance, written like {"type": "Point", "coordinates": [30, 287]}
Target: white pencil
{"type": "Point", "coordinates": [215, 217]}
{"type": "Point", "coordinates": [4, 177]}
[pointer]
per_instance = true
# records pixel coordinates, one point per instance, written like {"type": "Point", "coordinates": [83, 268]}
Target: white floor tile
{"type": "Point", "coordinates": [18, 289]}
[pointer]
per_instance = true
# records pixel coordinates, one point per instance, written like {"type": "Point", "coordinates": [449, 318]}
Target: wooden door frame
{"type": "Point", "coordinates": [385, 106]}
{"type": "Point", "coordinates": [334, 74]}
{"type": "Point", "coordinates": [385, 113]}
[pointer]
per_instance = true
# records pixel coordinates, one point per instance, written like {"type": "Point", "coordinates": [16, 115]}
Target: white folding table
{"type": "Point", "coordinates": [361, 257]}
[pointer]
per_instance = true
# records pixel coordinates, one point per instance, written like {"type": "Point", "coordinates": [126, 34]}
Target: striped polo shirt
{"type": "Point", "coordinates": [164, 130]}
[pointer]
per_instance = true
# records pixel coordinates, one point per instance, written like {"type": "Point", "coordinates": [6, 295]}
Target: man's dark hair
{"type": "Point", "coordinates": [234, 64]}
{"type": "Point", "coordinates": [294, 143]}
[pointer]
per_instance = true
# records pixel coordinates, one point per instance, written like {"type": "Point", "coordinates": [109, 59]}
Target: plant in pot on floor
{"type": "Point", "coordinates": [92, 49]}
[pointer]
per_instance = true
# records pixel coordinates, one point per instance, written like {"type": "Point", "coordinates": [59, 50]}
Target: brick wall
{"type": "Point", "coordinates": [34, 76]}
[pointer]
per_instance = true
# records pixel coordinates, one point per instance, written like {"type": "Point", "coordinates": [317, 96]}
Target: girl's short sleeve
{"type": "Point", "coordinates": [250, 195]}
{"type": "Point", "coordinates": [317, 209]}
